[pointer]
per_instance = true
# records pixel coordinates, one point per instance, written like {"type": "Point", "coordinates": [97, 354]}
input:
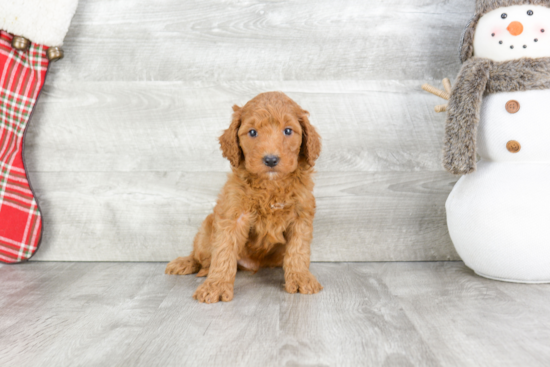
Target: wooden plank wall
{"type": "Point", "coordinates": [123, 153]}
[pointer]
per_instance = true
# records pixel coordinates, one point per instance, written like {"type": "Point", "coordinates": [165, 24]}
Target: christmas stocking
{"type": "Point", "coordinates": [24, 61]}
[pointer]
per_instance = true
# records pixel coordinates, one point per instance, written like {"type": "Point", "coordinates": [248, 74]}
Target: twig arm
{"type": "Point", "coordinates": [436, 91]}
{"type": "Point", "coordinates": [441, 108]}
{"type": "Point", "coordinates": [447, 85]}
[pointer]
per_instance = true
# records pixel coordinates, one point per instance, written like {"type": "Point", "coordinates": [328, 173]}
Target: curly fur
{"type": "Point", "coordinates": [466, 48]}
{"type": "Point", "coordinates": [477, 77]}
{"type": "Point", "coordinates": [264, 216]}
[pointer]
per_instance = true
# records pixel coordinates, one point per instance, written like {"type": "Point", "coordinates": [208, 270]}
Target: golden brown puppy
{"type": "Point", "coordinates": [264, 214]}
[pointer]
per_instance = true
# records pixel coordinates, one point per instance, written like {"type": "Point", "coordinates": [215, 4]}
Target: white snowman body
{"type": "Point", "coordinates": [499, 215]}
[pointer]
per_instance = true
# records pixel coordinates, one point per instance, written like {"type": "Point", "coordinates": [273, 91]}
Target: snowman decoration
{"type": "Point", "coordinates": [498, 213]}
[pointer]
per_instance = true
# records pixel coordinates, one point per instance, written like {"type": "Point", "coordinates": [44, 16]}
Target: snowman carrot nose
{"type": "Point", "coordinates": [515, 28]}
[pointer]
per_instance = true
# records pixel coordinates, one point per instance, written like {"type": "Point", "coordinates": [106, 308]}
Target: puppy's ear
{"type": "Point", "coordinates": [229, 141]}
{"type": "Point", "coordinates": [311, 141]}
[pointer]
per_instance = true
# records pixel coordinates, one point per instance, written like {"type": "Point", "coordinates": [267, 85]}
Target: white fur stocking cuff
{"type": "Point", "coordinates": [42, 21]}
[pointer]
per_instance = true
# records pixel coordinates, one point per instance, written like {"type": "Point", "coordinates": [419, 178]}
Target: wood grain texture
{"type": "Point", "coordinates": [160, 126]}
{"type": "Point", "coordinates": [123, 150]}
{"type": "Point", "coordinates": [476, 319]}
{"type": "Point", "coordinates": [219, 40]}
{"type": "Point", "coordinates": [356, 322]}
{"type": "Point", "coordinates": [137, 216]}
{"type": "Point", "coordinates": [375, 314]}
{"type": "Point", "coordinates": [152, 147]}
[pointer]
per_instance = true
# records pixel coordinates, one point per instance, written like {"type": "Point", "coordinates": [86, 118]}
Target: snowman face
{"type": "Point", "coordinates": [513, 32]}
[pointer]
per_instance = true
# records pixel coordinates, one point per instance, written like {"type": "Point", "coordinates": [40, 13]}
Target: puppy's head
{"type": "Point", "coordinates": [270, 135]}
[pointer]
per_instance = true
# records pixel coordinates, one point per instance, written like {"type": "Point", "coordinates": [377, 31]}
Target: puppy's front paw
{"type": "Point", "coordinates": [304, 283]}
{"type": "Point", "coordinates": [182, 266]}
{"type": "Point", "coordinates": [212, 292]}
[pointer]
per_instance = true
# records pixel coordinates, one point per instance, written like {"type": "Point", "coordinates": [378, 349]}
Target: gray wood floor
{"type": "Point", "coordinates": [369, 314]}
{"type": "Point", "coordinates": [123, 148]}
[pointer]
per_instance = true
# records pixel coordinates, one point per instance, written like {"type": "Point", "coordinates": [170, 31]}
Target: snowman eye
{"type": "Point", "coordinates": [504, 16]}
{"type": "Point", "coordinates": [529, 12]}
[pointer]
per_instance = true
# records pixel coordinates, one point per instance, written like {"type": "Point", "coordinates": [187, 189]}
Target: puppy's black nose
{"type": "Point", "coordinates": [271, 160]}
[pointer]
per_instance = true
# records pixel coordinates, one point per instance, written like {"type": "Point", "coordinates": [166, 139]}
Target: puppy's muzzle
{"type": "Point", "coordinates": [271, 160]}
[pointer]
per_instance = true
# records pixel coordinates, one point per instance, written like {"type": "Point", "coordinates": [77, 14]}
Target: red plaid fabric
{"type": "Point", "coordinates": [22, 76]}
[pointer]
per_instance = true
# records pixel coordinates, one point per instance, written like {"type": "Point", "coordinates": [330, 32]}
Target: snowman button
{"type": "Point", "coordinates": [513, 146]}
{"type": "Point", "coordinates": [512, 106]}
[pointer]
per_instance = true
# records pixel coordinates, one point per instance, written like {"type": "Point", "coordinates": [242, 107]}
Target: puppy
{"type": "Point", "coordinates": [264, 213]}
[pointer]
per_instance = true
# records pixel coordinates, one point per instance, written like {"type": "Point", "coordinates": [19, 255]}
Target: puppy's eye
{"type": "Point", "coordinates": [529, 12]}
{"type": "Point", "coordinates": [504, 16]}
{"type": "Point", "coordinates": [253, 133]}
{"type": "Point", "coordinates": [288, 131]}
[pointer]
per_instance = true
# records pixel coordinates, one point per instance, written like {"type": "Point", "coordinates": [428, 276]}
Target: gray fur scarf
{"type": "Point", "coordinates": [478, 77]}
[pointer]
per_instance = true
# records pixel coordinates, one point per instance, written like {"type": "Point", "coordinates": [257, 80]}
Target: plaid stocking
{"type": "Point", "coordinates": [22, 76]}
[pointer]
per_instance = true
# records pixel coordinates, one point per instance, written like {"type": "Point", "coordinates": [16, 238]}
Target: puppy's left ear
{"type": "Point", "coordinates": [229, 141]}
{"type": "Point", "coordinates": [311, 141]}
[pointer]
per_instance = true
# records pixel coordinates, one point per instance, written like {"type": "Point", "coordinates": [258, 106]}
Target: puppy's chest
{"type": "Point", "coordinates": [272, 217]}
{"type": "Point", "coordinates": [271, 205]}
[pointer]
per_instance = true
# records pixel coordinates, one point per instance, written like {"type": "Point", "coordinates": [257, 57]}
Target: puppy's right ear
{"type": "Point", "coordinates": [229, 141]}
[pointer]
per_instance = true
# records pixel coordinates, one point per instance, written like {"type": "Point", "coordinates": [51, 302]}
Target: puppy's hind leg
{"type": "Point", "coordinates": [200, 256]}
{"type": "Point", "coordinates": [203, 272]}
{"type": "Point", "coordinates": [183, 266]}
